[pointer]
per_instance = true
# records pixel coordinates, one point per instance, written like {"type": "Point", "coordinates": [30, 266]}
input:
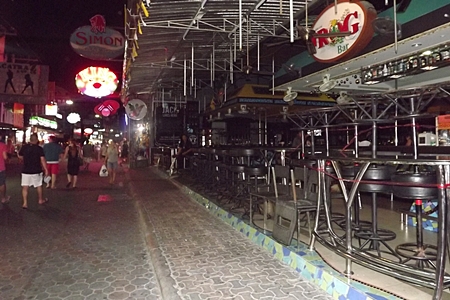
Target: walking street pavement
{"type": "Point", "coordinates": [145, 239]}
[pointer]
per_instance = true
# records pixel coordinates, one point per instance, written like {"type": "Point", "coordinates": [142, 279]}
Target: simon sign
{"type": "Point", "coordinates": [348, 16]}
{"type": "Point", "coordinates": [97, 41]}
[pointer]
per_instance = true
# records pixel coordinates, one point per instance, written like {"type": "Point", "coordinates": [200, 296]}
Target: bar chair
{"type": "Point", "coordinates": [269, 193]}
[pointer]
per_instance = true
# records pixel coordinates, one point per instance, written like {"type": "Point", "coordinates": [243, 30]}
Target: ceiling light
{"type": "Point", "coordinates": [428, 52]}
{"type": "Point", "coordinates": [416, 45]}
{"type": "Point", "coordinates": [69, 102]}
{"type": "Point", "coordinates": [428, 68]}
{"type": "Point", "coordinates": [371, 82]}
{"type": "Point", "coordinates": [396, 76]}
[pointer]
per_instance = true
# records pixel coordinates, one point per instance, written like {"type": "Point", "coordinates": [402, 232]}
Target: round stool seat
{"type": "Point", "coordinates": [237, 168]}
{"type": "Point", "coordinates": [245, 152]}
{"type": "Point", "coordinates": [256, 171]}
{"type": "Point", "coordinates": [409, 191]}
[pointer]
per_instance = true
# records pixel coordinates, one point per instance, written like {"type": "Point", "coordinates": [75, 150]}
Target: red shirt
{"type": "Point", "coordinates": [2, 160]}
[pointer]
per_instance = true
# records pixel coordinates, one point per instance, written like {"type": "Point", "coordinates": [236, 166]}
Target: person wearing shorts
{"type": "Point", "coordinates": [34, 165]}
{"type": "Point", "coordinates": [53, 152]}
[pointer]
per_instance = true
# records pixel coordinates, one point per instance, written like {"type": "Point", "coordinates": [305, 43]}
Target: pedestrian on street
{"type": "Point", "coordinates": [3, 158]}
{"type": "Point", "coordinates": [112, 160]}
{"type": "Point", "coordinates": [53, 153]}
{"type": "Point", "coordinates": [124, 152]}
{"type": "Point", "coordinates": [33, 164]}
{"type": "Point", "coordinates": [88, 150]}
{"type": "Point", "coordinates": [72, 154]}
{"type": "Point", "coordinates": [103, 150]}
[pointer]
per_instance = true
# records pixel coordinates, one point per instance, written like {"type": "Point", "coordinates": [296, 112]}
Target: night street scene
{"type": "Point", "coordinates": [224, 149]}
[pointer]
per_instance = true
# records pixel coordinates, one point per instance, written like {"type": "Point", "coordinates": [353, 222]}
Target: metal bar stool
{"type": "Point", "coordinates": [422, 181]}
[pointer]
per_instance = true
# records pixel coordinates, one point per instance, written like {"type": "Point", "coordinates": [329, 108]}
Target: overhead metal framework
{"type": "Point", "coordinates": [211, 37]}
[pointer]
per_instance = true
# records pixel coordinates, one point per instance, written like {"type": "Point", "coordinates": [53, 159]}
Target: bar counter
{"type": "Point", "coordinates": [329, 168]}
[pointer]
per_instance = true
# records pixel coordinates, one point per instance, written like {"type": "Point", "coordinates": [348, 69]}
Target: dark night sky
{"type": "Point", "coordinates": [46, 25]}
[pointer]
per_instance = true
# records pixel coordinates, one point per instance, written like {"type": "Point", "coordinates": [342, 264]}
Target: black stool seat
{"type": "Point", "coordinates": [256, 171]}
{"type": "Point", "coordinates": [237, 168]}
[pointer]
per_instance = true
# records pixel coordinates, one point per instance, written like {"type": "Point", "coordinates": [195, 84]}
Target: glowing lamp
{"type": "Point", "coordinates": [73, 118]}
{"type": "Point", "coordinates": [96, 82]}
{"type": "Point", "coordinates": [106, 112]}
{"type": "Point", "coordinates": [88, 131]}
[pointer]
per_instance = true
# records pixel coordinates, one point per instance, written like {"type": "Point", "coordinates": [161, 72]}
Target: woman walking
{"type": "Point", "coordinates": [73, 163]}
{"type": "Point", "coordinates": [112, 160]}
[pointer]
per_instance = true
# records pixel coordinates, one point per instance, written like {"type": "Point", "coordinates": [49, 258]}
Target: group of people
{"type": "Point", "coordinates": [41, 164]}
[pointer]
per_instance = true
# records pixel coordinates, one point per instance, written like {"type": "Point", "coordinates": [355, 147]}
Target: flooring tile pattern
{"type": "Point", "coordinates": [210, 260]}
{"type": "Point", "coordinates": [74, 247]}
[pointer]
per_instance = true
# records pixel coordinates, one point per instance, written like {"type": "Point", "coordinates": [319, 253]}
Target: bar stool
{"type": "Point", "coordinates": [375, 183]}
{"type": "Point", "coordinates": [421, 180]}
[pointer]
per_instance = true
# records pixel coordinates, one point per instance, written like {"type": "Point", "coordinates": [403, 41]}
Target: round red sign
{"type": "Point", "coordinates": [353, 17]}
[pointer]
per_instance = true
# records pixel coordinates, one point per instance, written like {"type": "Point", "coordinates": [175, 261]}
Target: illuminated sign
{"type": "Point", "coordinates": [136, 109]}
{"type": "Point", "coordinates": [97, 41]}
{"type": "Point", "coordinates": [24, 83]}
{"type": "Point", "coordinates": [51, 110]}
{"type": "Point", "coordinates": [107, 108]}
{"type": "Point", "coordinates": [38, 121]}
{"type": "Point", "coordinates": [73, 118]}
{"type": "Point", "coordinates": [348, 16]}
{"type": "Point", "coordinates": [96, 82]}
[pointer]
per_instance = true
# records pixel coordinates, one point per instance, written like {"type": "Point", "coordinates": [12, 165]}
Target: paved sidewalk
{"type": "Point", "coordinates": [205, 257]}
{"type": "Point", "coordinates": [154, 243]}
{"type": "Point", "coordinates": [74, 247]}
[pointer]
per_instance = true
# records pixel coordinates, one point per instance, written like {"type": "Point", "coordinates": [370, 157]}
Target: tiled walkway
{"type": "Point", "coordinates": [207, 258]}
{"type": "Point", "coordinates": [74, 247]}
{"type": "Point", "coordinates": [154, 244]}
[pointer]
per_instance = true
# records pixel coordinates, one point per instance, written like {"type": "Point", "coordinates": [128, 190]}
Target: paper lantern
{"type": "Point", "coordinates": [73, 118]}
{"type": "Point", "coordinates": [96, 82]}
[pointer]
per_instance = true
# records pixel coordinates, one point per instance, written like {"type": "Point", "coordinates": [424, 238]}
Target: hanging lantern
{"type": "Point", "coordinates": [96, 82]}
{"type": "Point", "coordinates": [73, 118]}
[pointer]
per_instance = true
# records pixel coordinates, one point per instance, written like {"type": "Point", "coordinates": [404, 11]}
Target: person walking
{"type": "Point", "coordinates": [103, 149]}
{"type": "Point", "coordinates": [112, 160]}
{"type": "Point", "coordinates": [72, 154]}
{"type": "Point", "coordinates": [88, 150]}
{"type": "Point", "coordinates": [53, 152]}
{"type": "Point", "coordinates": [3, 158]}
{"type": "Point", "coordinates": [124, 152]}
{"type": "Point", "coordinates": [33, 164]}
{"type": "Point", "coordinates": [184, 149]}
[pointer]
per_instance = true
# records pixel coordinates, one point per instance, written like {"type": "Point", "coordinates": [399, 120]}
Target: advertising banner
{"type": "Point", "coordinates": [23, 83]}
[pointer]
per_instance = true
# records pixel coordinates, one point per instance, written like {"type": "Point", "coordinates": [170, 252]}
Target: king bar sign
{"type": "Point", "coordinates": [354, 20]}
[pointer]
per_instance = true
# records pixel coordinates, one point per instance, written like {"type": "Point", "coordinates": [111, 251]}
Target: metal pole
{"type": "Point", "coordinates": [291, 20]}
{"type": "Point", "coordinates": [184, 78]}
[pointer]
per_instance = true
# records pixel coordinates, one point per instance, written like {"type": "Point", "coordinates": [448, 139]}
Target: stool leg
{"type": "Point", "coordinates": [423, 255]}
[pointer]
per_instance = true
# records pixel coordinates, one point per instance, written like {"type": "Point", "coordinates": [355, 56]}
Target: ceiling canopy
{"type": "Point", "coordinates": [187, 46]}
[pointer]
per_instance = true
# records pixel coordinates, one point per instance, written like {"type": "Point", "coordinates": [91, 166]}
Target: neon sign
{"type": "Point", "coordinates": [96, 82]}
{"type": "Point", "coordinates": [43, 122]}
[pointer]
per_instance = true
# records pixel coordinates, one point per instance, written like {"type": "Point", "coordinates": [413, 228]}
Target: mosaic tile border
{"type": "Point", "coordinates": [427, 224]}
{"type": "Point", "coordinates": [308, 263]}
